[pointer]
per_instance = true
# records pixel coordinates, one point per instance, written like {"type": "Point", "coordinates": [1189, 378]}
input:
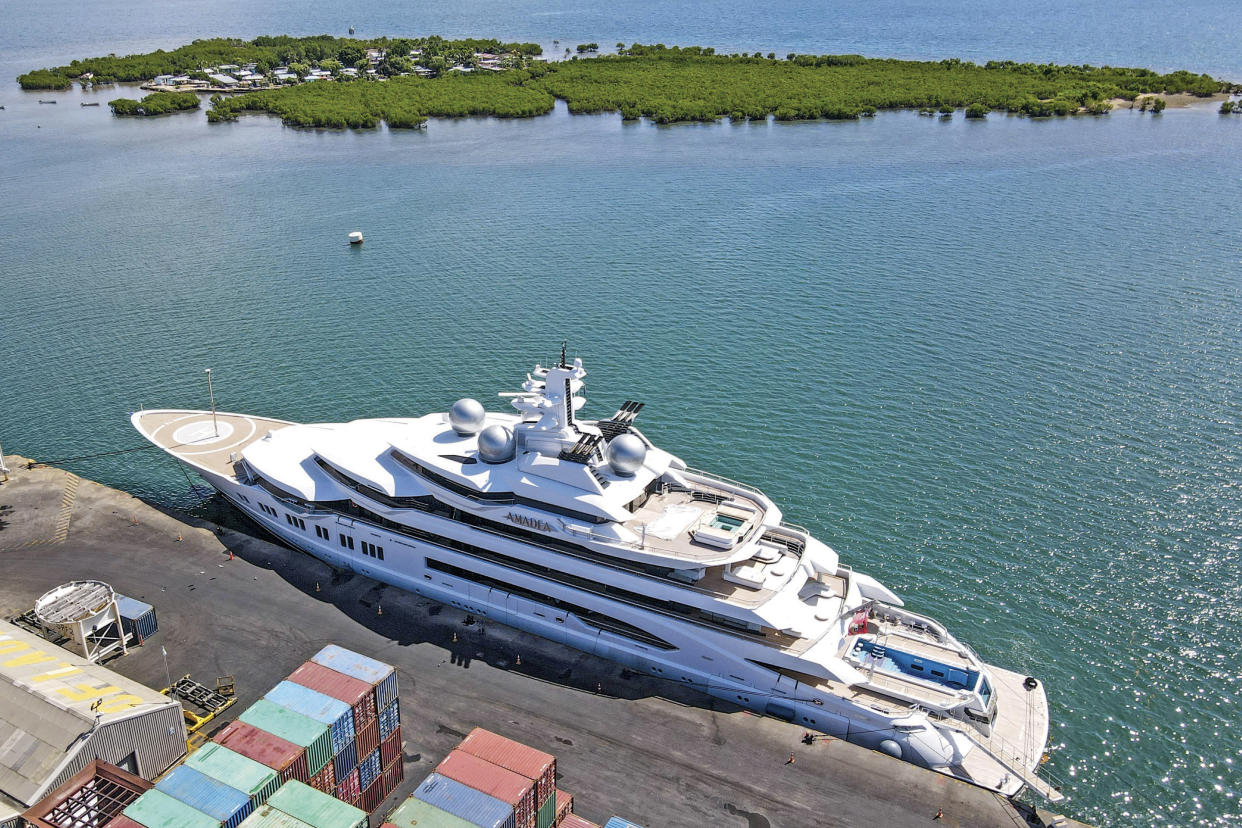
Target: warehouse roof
{"type": "Point", "coordinates": [50, 700]}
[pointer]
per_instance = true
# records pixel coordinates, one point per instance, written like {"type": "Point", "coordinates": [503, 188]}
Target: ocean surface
{"type": "Point", "coordinates": [995, 364]}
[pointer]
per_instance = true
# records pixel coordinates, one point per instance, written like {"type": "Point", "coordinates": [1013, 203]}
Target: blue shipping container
{"type": "Point", "coordinates": [386, 692]}
{"type": "Point", "coordinates": [621, 822]}
{"type": "Point", "coordinates": [217, 800]}
{"type": "Point", "coordinates": [353, 664]}
{"type": "Point", "coordinates": [369, 769]}
{"type": "Point", "coordinates": [389, 719]}
{"type": "Point", "coordinates": [137, 618]}
{"type": "Point", "coordinates": [336, 714]}
{"type": "Point", "coordinates": [465, 802]}
{"type": "Point", "coordinates": [345, 761]}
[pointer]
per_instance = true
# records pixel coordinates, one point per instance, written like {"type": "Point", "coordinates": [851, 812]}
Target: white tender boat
{"type": "Point", "coordinates": [586, 533]}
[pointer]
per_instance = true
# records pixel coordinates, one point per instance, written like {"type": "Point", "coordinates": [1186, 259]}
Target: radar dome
{"type": "Point", "coordinates": [466, 416]}
{"type": "Point", "coordinates": [626, 454]}
{"type": "Point", "coordinates": [496, 444]}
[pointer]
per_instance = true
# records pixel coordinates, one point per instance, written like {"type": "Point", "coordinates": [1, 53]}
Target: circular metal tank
{"type": "Point", "coordinates": [85, 602]}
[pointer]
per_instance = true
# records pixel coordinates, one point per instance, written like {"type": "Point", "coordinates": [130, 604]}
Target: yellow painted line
{"type": "Point", "coordinates": [67, 670]}
{"type": "Point", "coordinates": [30, 658]}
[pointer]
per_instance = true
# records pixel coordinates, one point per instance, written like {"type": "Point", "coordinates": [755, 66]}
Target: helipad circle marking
{"type": "Point", "coordinates": [202, 432]}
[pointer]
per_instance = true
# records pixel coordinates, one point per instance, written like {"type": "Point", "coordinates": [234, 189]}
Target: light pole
{"type": "Point", "coordinates": [167, 674]}
{"type": "Point", "coordinates": [212, 395]}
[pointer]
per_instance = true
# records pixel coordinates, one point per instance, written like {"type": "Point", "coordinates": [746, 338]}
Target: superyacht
{"type": "Point", "coordinates": [587, 533]}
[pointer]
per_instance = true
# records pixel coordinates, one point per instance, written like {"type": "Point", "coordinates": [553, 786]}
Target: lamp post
{"type": "Point", "coordinates": [212, 395]}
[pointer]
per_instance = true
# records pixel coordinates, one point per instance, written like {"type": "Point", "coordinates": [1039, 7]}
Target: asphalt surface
{"type": "Point", "coordinates": [654, 752]}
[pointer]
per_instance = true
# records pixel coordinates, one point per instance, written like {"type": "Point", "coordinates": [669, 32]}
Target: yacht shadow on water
{"type": "Point", "coordinates": [407, 619]}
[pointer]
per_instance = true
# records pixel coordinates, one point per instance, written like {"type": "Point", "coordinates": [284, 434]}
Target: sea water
{"type": "Point", "coordinates": [995, 364]}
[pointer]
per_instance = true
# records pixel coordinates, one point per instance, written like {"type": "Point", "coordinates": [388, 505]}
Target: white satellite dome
{"type": "Point", "coordinates": [466, 416]}
{"type": "Point", "coordinates": [626, 454]}
{"type": "Point", "coordinates": [496, 444]}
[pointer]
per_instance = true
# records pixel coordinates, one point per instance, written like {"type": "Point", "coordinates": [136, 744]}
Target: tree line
{"type": "Point", "coordinates": [157, 103]}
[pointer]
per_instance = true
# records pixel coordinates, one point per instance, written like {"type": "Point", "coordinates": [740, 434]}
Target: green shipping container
{"type": "Point", "coordinates": [291, 726]}
{"type": "Point", "coordinates": [237, 771]}
{"type": "Point", "coordinates": [547, 812]}
{"type": "Point", "coordinates": [269, 817]}
{"type": "Point", "coordinates": [414, 813]}
{"type": "Point", "coordinates": [316, 808]}
{"type": "Point", "coordinates": [156, 809]}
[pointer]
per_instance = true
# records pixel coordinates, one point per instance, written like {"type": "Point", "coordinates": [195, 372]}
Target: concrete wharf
{"type": "Point", "coordinates": [653, 751]}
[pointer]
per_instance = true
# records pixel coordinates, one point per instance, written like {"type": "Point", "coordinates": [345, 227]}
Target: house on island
{"type": "Point", "coordinates": [221, 79]}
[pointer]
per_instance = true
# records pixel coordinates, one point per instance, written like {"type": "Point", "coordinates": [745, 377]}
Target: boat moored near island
{"type": "Point", "coordinates": [586, 533]}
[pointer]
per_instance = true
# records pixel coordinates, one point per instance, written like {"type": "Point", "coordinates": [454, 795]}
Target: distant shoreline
{"type": "Point", "coordinates": [332, 82]}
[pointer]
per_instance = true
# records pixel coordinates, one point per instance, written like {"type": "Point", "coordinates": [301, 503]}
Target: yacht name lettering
{"type": "Point", "coordinates": [533, 523]}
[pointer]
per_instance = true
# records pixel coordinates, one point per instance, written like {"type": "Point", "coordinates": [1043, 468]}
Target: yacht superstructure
{"type": "Point", "coordinates": [585, 532]}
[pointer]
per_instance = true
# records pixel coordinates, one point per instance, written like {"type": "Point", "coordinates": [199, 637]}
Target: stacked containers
{"type": "Point", "coordinates": [316, 808]}
{"type": "Point", "coordinates": [223, 803]}
{"type": "Point", "coordinates": [569, 821]}
{"type": "Point", "coordinates": [512, 788]}
{"type": "Point", "coordinates": [291, 726]}
{"type": "Point", "coordinates": [156, 809]}
{"type": "Point", "coordinates": [281, 755]}
{"type": "Point", "coordinates": [414, 813]}
{"type": "Point", "coordinates": [369, 688]}
{"type": "Point", "coordinates": [564, 804]}
{"type": "Point", "coordinates": [535, 765]}
{"type": "Point", "coordinates": [337, 715]}
{"type": "Point", "coordinates": [465, 802]}
{"type": "Point", "coordinates": [268, 817]}
{"type": "Point", "coordinates": [137, 618]}
{"type": "Point", "coordinates": [252, 778]}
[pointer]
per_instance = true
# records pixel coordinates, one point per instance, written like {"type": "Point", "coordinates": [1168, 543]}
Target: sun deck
{"type": "Point", "coordinates": [703, 526]}
{"type": "Point", "coordinates": [196, 437]}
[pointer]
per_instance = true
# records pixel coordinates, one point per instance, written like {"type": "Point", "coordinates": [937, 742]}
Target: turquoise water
{"type": "Point", "coordinates": [994, 364]}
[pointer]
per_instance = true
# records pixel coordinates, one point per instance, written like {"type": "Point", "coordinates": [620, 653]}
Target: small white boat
{"type": "Point", "coordinates": [355, 237]}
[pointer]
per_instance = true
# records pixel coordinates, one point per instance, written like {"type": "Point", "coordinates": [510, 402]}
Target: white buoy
{"type": "Point", "coordinates": [355, 237]}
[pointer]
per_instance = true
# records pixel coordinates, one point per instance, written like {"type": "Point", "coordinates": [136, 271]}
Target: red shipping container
{"type": "Point", "coordinates": [564, 804]}
{"type": "Point", "coordinates": [325, 780]}
{"type": "Point", "coordinates": [122, 821]}
{"type": "Point", "coordinates": [505, 785]}
{"type": "Point", "coordinates": [349, 790]}
{"type": "Point", "coordinates": [368, 739]}
{"type": "Point", "coordinates": [514, 756]}
{"type": "Point", "coordinates": [575, 821]}
{"type": "Point", "coordinates": [354, 692]}
{"type": "Point", "coordinates": [374, 796]}
{"type": "Point", "coordinates": [280, 755]}
{"type": "Point", "coordinates": [394, 774]}
{"type": "Point", "coordinates": [390, 748]}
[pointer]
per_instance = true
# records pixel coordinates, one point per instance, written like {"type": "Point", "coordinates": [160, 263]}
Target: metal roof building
{"type": "Point", "coordinates": [59, 712]}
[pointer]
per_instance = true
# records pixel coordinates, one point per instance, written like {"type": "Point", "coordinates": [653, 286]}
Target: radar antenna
{"type": "Point", "coordinates": [563, 363]}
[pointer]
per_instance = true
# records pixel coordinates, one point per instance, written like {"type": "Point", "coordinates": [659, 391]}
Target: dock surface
{"type": "Point", "coordinates": [654, 752]}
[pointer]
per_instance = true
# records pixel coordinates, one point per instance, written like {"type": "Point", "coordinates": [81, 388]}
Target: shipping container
{"type": "Point", "coordinates": [375, 673]}
{"type": "Point", "coordinates": [336, 714]}
{"type": "Point", "coordinates": [512, 788]}
{"type": "Point", "coordinates": [621, 822]}
{"type": "Point", "coordinates": [346, 761]}
{"type": "Point", "coordinates": [303, 731]}
{"type": "Point", "coordinates": [515, 756]}
{"type": "Point", "coordinates": [156, 809]}
{"type": "Point", "coordinates": [325, 780]}
{"type": "Point", "coordinates": [317, 808]}
{"type": "Point", "coordinates": [368, 738]}
{"type": "Point", "coordinates": [268, 817]}
{"type": "Point", "coordinates": [394, 774]}
{"type": "Point", "coordinates": [575, 821]}
{"type": "Point", "coordinates": [281, 755]}
{"type": "Point", "coordinates": [463, 801]}
{"type": "Point", "coordinates": [137, 618]}
{"type": "Point", "coordinates": [252, 778]}
{"type": "Point", "coordinates": [374, 796]}
{"type": "Point", "coordinates": [564, 804]}
{"type": "Point", "coordinates": [358, 694]}
{"type": "Point", "coordinates": [389, 719]}
{"type": "Point", "coordinates": [223, 803]}
{"type": "Point", "coordinates": [414, 813]}
{"type": "Point", "coordinates": [369, 769]}
{"type": "Point", "coordinates": [348, 789]}
{"type": "Point", "coordinates": [390, 748]}
{"type": "Point", "coordinates": [122, 821]}
{"type": "Point", "coordinates": [545, 817]}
